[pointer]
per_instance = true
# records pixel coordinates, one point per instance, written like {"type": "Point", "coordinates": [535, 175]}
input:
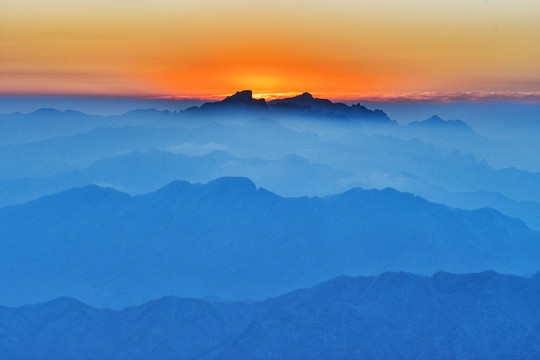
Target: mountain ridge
{"type": "Point", "coordinates": [304, 104]}
{"type": "Point", "coordinates": [444, 316]}
{"type": "Point", "coordinates": [230, 239]}
{"type": "Point", "coordinates": [437, 121]}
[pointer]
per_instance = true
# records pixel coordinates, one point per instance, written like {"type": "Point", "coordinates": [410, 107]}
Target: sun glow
{"type": "Point", "coordinates": [203, 48]}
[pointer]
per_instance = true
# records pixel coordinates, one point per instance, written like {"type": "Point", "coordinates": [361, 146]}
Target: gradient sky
{"type": "Point", "coordinates": [205, 48]}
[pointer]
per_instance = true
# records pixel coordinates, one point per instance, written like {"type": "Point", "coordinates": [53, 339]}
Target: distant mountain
{"type": "Point", "coordinates": [436, 122]}
{"type": "Point", "coordinates": [390, 316]}
{"type": "Point", "coordinates": [291, 175]}
{"type": "Point", "coordinates": [44, 123]}
{"type": "Point", "coordinates": [241, 104]}
{"type": "Point", "coordinates": [449, 135]}
{"type": "Point", "coordinates": [254, 138]}
{"type": "Point", "coordinates": [229, 239]}
{"type": "Point", "coordinates": [47, 123]}
{"type": "Point", "coordinates": [306, 102]}
{"type": "Point", "coordinates": [301, 105]}
{"type": "Point", "coordinates": [52, 156]}
{"type": "Point", "coordinates": [527, 211]}
{"type": "Point", "coordinates": [375, 161]}
{"type": "Point", "coordinates": [241, 99]}
{"type": "Point", "coordinates": [138, 172]}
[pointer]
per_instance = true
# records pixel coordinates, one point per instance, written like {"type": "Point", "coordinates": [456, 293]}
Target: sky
{"type": "Point", "coordinates": [339, 49]}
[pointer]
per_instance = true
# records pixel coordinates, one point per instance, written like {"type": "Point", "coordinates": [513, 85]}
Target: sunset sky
{"type": "Point", "coordinates": [209, 48]}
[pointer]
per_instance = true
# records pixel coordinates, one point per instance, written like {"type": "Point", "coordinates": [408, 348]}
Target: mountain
{"type": "Point", "coordinates": [528, 211]}
{"type": "Point", "coordinates": [44, 123]}
{"type": "Point", "coordinates": [52, 156]}
{"type": "Point", "coordinates": [447, 135]}
{"type": "Point", "coordinates": [138, 172]}
{"type": "Point", "coordinates": [48, 123]}
{"type": "Point", "coordinates": [229, 239]}
{"type": "Point", "coordinates": [374, 161]}
{"type": "Point", "coordinates": [243, 97]}
{"type": "Point", "coordinates": [254, 138]}
{"type": "Point", "coordinates": [392, 316]}
{"type": "Point", "coordinates": [242, 103]}
{"type": "Point", "coordinates": [307, 103]}
{"type": "Point", "coordinates": [437, 122]}
{"type": "Point", "coordinates": [288, 175]}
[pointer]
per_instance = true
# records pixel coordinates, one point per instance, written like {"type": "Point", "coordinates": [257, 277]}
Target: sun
{"type": "Point", "coordinates": [263, 83]}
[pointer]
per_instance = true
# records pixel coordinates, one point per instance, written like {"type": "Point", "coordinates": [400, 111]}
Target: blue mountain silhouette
{"type": "Point", "coordinates": [230, 239]}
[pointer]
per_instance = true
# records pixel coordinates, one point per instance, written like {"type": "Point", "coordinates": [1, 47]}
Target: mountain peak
{"type": "Point", "coordinates": [64, 302]}
{"type": "Point", "coordinates": [435, 119]}
{"type": "Point", "coordinates": [232, 185]}
{"type": "Point", "coordinates": [307, 102]}
{"type": "Point", "coordinates": [87, 194]}
{"type": "Point", "coordinates": [240, 96]}
{"type": "Point", "coordinates": [243, 97]}
{"type": "Point", "coordinates": [302, 100]}
{"type": "Point", "coordinates": [54, 113]}
{"type": "Point", "coordinates": [46, 112]}
{"type": "Point", "coordinates": [305, 96]}
{"type": "Point", "coordinates": [436, 122]}
{"type": "Point", "coordinates": [217, 187]}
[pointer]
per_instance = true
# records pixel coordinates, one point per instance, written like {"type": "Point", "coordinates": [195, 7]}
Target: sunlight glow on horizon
{"type": "Point", "coordinates": [208, 47]}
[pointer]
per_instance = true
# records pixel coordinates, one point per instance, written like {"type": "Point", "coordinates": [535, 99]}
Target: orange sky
{"type": "Point", "coordinates": [205, 48]}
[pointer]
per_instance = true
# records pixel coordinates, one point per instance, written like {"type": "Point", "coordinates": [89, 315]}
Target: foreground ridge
{"type": "Point", "coordinates": [391, 316]}
{"type": "Point", "coordinates": [230, 239]}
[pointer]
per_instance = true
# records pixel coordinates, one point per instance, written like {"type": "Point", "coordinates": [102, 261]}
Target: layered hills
{"type": "Point", "coordinates": [230, 239]}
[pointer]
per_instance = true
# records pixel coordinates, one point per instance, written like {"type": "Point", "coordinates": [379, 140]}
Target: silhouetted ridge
{"type": "Point", "coordinates": [241, 99]}
{"type": "Point", "coordinates": [228, 185]}
{"type": "Point", "coordinates": [65, 303]}
{"type": "Point", "coordinates": [195, 240]}
{"type": "Point", "coordinates": [305, 97]}
{"type": "Point", "coordinates": [436, 121]}
{"type": "Point", "coordinates": [89, 194]}
{"type": "Point", "coordinates": [384, 196]}
{"type": "Point", "coordinates": [307, 102]}
{"type": "Point", "coordinates": [55, 113]}
{"type": "Point", "coordinates": [394, 315]}
{"type": "Point", "coordinates": [46, 112]}
{"type": "Point", "coordinates": [216, 190]}
{"type": "Point", "coordinates": [168, 304]}
{"type": "Point", "coordinates": [149, 113]}
{"type": "Point", "coordinates": [303, 104]}
{"type": "Point", "coordinates": [172, 189]}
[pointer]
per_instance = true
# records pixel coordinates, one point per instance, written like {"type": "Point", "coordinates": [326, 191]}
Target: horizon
{"type": "Point", "coordinates": [526, 97]}
{"type": "Point", "coordinates": [477, 113]}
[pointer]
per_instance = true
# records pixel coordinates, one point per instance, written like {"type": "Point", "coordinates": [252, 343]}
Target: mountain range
{"type": "Point", "coordinates": [298, 158]}
{"type": "Point", "coordinates": [230, 239]}
{"type": "Point", "coordinates": [101, 217]}
{"type": "Point", "coordinates": [46, 123]}
{"type": "Point", "coordinates": [389, 316]}
{"type": "Point", "coordinates": [304, 105]}
{"type": "Point", "coordinates": [141, 172]}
